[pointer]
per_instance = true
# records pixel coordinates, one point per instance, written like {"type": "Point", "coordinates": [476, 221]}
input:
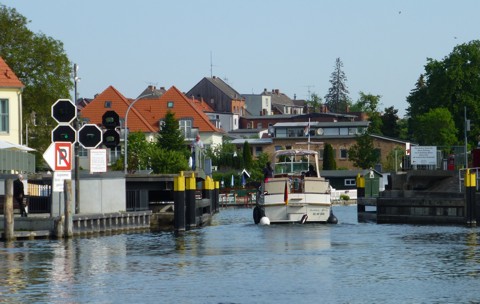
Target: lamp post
{"type": "Point", "coordinates": [125, 139]}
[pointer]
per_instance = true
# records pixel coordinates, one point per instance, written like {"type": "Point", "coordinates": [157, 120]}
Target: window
{"type": "Point", "coordinates": [278, 148]}
{"type": "Point", "coordinates": [259, 125]}
{"type": "Point", "coordinates": [185, 126]}
{"type": "Point", "coordinates": [108, 104]}
{"type": "Point", "coordinates": [82, 151]}
{"type": "Point", "coordinates": [350, 182]}
{"type": "Point", "coordinates": [258, 150]}
{"type": "Point", "coordinates": [343, 153]}
{"type": "Point", "coordinates": [4, 116]}
{"type": "Point", "coordinates": [170, 104]}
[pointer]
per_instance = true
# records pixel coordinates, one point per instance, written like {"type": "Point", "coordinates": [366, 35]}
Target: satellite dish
{"type": "Point", "coordinates": [319, 131]}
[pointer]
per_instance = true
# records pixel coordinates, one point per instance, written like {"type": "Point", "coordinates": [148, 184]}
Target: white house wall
{"type": "Point", "coordinates": [14, 115]}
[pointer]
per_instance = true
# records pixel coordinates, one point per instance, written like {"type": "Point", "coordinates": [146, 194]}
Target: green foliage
{"type": "Point", "coordinates": [139, 152]}
{"type": "Point", "coordinates": [41, 63]}
{"type": "Point", "coordinates": [315, 103]}
{"type": "Point", "coordinates": [247, 155]}
{"type": "Point", "coordinates": [328, 158]}
{"type": "Point", "coordinates": [223, 156]}
{"type": "Point", "coordinates": [435, 128]}
{"type": "Point", "coordinates": [170, 137]}
{"type": "Point", "coordinates": [369, 104]}
{"type": "Point", "coordinates": [390, 125]}
{"type": "Point", "coordinates": [167, 161]}
{"type": "Point", "coordinates": [344, 197]}
{"type": "Point", "coordinates": [337, 99]}
{"type": "Point", "coordinates": [394, 159]}
{"type": "Point", "coordinates": [452, 83]}
{"type": "Point", "coordinates": [363, 154]}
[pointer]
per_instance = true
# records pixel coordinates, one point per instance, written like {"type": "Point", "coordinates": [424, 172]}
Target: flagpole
{"type": "Point", "coordinates": [309, 133]}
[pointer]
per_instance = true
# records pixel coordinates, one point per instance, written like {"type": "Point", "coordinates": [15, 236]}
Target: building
{"type": "Point", "coordinates": [148, 113]}
{"type": "Point", "coordinates": [220, 96]}
{"type": "Point", "coordinates": [10, 105]}
{"type": "Point", "coordinates": [258, 104]}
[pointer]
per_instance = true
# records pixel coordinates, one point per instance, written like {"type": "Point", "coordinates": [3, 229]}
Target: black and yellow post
{"type": "Point", "coordinates": [360, 180]}
{"type": "Point", "coordinates": [179, 202]}
{"type": "Point", "coordinates": [470, 189]}
{"type": "Point", "coordinates": [208, 186]}
{"type": "Point", "coordinates": [216, 196]}
{"type": "Point", "coordinates": [190, 203]}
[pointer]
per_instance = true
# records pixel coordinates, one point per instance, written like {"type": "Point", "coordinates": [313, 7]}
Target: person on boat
{"type": "Point", "coordinates": [267, 172]}
{"type": "Point", "coordinates": [311, 172]}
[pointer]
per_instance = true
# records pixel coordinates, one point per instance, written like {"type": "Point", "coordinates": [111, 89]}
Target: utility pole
{"type": "Point", "coordinates": [77, 146]}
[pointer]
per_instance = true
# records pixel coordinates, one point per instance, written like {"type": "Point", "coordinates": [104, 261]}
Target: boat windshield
{"type": "Point", "coordinates": [295, 162]}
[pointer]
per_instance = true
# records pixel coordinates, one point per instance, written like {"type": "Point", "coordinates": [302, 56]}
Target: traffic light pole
{"type": "Point", "coordinates": [77, 147]}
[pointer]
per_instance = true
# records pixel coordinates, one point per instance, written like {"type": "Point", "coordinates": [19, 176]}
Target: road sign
{"type": "Point", "coordinates": [59, 156]}
{"type": "Point", "coordinates": [64, 111]}
{"type": "Point", "coordinates": [98, 160]}
{"type": "Point", "coordinates": [64, 133]}
{"type": "Point", "coordinates": [90, 136]}
{"type": "Point", "coordinates": [58, 180]}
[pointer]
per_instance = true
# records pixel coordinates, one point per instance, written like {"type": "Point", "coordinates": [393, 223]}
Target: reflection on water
{"type": "Point", "coordinates": [235, 261]}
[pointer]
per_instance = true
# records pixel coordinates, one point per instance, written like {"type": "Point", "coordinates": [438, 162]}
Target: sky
{"type": "Point", "coordinates": [254, 44]}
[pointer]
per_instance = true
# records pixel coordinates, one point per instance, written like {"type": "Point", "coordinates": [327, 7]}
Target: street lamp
{"type": "Point", "coordinates": [125, 139]}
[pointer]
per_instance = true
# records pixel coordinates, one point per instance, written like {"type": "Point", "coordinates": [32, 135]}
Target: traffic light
{"type": "Point", "coordinates": [90, 136]}
{"type": "Point", "coordinates": [64, 111]}
{"type": "Point", "coordinates": [111, 138]}
{"type": "Point", "coordinates": [65, 133]}
{"type": "Point", "coordinates": [110, 121]}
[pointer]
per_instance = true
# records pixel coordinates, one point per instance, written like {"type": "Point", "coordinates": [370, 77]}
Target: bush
{"type": "Point", "coordinates": [344, 197]}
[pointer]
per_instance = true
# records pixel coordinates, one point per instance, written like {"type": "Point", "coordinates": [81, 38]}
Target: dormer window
{"type": "Point", "coordinates": [108, 104]}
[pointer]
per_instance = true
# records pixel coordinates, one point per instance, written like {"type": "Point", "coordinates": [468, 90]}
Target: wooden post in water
{"type": "Point", "coordinates": [8, 223]}
{"type": "Point", "coordinates": [179, 203]}
{"type": "Point", "coordinates": [360, 192]}
{"type": "Point", "coordinates": [68, 222]}
{"type": "Point", "coordinates": [470, 189]}
{"type": "Point", "coordinates": [190, 201]}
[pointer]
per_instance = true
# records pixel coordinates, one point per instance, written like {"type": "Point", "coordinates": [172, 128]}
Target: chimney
{"type": "Point", "coordinates": [277, 91]}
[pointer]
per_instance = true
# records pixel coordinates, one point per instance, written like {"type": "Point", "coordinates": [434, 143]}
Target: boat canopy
{"type": "Point", "coordinates": [295, 161]}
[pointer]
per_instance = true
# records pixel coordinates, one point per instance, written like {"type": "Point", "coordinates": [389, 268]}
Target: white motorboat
{"type": "Point", "coordinates": [295, 194]}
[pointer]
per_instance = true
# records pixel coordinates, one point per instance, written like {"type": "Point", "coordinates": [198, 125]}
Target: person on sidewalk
{"type": "Point", "coordinates": [19, 195]}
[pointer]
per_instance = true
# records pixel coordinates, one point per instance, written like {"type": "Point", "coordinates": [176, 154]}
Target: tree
{"type": "Point", "coordinates": [369, 104]}
{"type": "Point", "coordinates": [170, 137]}
{"type": "Point", "coordinates": [390, 125]}
{"type": "Point", "coordinates": [452, 83]}
{"type": "Point", "coordinates": [139, 152]}
{"type": "Point", "coordinates": [394, 159]}
{"type": "Point", "coordinates": [247, 155]}
{"type": "Point", "coordinates": [362, 153]}
{"type": "Point", "coordinates": [314, 104]}
{"type": "Point", "coordinates": [167, 161]}
{"type": "Point", "coordinates": [436, 128]}
{"type": "Point", "coordinates": [328, 158]}
{"type": "Point", "coordinates": [337, 99]}
{"type": "Point", "coordinates": [41, 63]}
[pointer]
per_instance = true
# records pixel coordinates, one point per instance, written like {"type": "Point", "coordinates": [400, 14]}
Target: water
{"type": "Point", "coordinates": [235, 261]}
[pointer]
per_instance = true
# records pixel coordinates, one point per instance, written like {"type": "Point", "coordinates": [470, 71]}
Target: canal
{"type": "Point", "coordinates": [235, 261]}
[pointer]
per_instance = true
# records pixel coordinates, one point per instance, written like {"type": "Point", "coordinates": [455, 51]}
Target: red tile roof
{"type": "Point", "coordinates": [146, 113]}
{"type": "Point", "coordinates": [8, 79]}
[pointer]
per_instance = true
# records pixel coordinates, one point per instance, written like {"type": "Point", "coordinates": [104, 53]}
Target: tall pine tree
{"type": "Point", "coordinates": [169, 137]}
{"type": "Point", "coordinates": [337, 99]}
